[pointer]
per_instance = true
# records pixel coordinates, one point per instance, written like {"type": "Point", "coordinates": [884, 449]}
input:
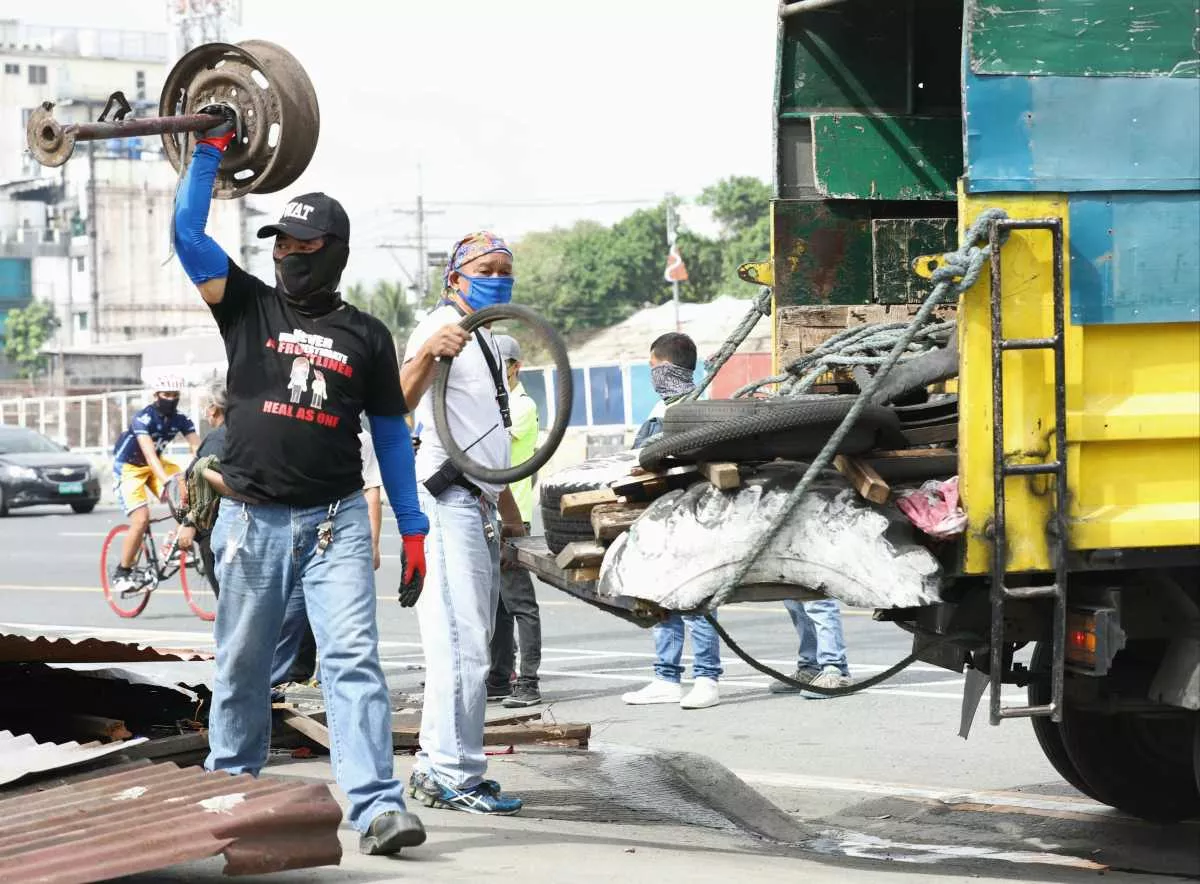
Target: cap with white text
{"type": "Point", "coordinates": [310, 216]}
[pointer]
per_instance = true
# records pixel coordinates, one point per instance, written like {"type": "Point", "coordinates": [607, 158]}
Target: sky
{"type": "Point", "coordinates": [514, 115]}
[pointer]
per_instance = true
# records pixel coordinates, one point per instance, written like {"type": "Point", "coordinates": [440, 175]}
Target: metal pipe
{"type": "Point", "coordinates": [787, 10]}
{"type": "Point", "coordinates": [135, 128]}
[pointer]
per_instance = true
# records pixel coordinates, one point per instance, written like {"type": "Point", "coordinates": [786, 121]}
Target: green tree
{"type": "Point", "coordinates": [26, 332]}
{"type": "Point", "coordinates": [741, 205]}
{"type": "Point", "coordinates": [387, 302]}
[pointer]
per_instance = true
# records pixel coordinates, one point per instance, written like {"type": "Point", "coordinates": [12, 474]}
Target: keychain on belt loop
{"type": "Point", "coordinates": [325, 529]}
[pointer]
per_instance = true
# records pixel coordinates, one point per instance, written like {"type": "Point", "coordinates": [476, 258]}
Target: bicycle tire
{"type": "Point", "coordinates": [114, 599]}
{"type": "Point", "coordinates": [776, 425]}
{"type": "Point", "coordinates": [564, 395]}
{"type": "Point", "coordinates": [204, 612]}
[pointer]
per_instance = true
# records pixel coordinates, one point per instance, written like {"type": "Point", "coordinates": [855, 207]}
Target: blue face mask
{"type": "Point", "coordinates": [487, 291]}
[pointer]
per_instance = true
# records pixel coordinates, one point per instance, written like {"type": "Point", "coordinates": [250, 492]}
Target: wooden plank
{"type": "Point", "coordinates": [107, 729]}
{"type": "Point", "coordinates": [914, 465]}
{"type": "Point", "coordinates": [887, 157]}
{"type": "Point", "coordinates": [1084, 38]}
{"type": "Point", "coordinates": [521, 734]}
{"type": "Point", "coordinates": [314, 730]}
{"type": "Point", "coordinates": [801, 329]}
{"type": "Point", "coordinates": [611, 520]}
{"type": "Point", "coordinates": [722, 475]}
{"type": "Point", "coordinates": [580, 503]}
{"type": "Point", "coordinates": [863, 477]}
{"type": "Point", "coordinates": [580, 554]}
{"type": "Point", "coordinates": [583, 575]}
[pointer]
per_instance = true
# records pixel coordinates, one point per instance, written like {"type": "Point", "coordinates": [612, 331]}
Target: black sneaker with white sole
{"type": "Point", "coordinates": [523, 696]}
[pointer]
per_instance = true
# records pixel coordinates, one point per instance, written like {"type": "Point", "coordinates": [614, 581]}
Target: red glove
{"type": "Point", "coordinates": [224, 132]}
{"type": "Point", "coordinates": [413, 562]}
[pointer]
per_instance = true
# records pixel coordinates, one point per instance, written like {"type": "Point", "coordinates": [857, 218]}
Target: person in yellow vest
{"type": "Point", "coordinates": [518, 609]}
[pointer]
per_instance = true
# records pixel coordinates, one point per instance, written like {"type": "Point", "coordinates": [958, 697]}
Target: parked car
{"type": "Point", "coordinates": [37, 470]}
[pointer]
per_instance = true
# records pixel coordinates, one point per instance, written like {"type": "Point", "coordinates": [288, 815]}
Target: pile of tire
{"type": "Point", "coordinates": [764, 429]}
{"type": "Point", "coordinates": [590, 475]}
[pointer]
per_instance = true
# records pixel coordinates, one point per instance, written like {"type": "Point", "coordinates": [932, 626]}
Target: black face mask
{"type": "Point", "coordinates": [166, 407]}
{"type": "Point", "coordinates": [309, 281]}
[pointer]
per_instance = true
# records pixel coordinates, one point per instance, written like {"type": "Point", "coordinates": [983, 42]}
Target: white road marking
{"type": "Point", "coordinates": [82, 533]}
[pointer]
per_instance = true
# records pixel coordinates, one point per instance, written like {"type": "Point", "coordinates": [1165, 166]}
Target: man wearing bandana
{"type": "Point", "coordinates": [672, 372]}
{"type": "Point", "coordinates": [457, 609]}
{"type": "Point", "coordinates": [295, 520]}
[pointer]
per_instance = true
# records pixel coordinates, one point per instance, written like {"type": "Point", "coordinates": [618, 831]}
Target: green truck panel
{"type": "Point", "coordinates": [1085, 37]}
{"type": "Point", "coordinates": [877, 157]}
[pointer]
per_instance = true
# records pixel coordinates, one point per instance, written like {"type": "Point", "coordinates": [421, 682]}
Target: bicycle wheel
{"type": "Point", "coordinates": [110, 557]}
{"type": "Point", "coordinates": [200, 598]}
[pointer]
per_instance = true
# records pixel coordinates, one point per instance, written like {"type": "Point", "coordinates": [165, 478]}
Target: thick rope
{"type": "Point", "coordinates": [959, 271]}
{"type": "Point", "coordinates": [760, 308]}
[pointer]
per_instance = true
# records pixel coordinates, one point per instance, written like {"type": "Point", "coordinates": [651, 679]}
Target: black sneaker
{"type": "Point", "coordinates": [390, 832]}
{"type": "Point", "coordinates": [804, 676]}
{"type": "Point", "coordinates": [498, 692]}
{"type": "Point", "coordinates": [522, 697]}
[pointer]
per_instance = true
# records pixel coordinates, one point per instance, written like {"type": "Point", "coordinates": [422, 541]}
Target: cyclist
{"type": "Point", "coordinates": [138, 464]}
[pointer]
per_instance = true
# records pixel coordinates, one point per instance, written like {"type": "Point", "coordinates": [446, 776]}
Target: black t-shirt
{"type": "Point", "coordinates": [295, 390]}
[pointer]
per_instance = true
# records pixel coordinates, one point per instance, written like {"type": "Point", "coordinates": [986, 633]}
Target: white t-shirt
{"type": "Point", "coordinates": [370, 464]}
{"type": "Point", "coordinates": [470, 405]}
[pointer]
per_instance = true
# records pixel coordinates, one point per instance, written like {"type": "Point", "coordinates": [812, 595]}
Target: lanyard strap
{"type": "Point", "coordinates": [493, 365]}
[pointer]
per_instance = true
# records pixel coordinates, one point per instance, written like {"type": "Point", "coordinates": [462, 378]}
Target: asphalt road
{"type": "Point", "coordinates": [885, 765]}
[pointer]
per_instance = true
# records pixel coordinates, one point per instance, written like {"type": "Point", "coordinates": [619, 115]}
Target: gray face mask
{"type": "Point", "coordinates": [671, 380]}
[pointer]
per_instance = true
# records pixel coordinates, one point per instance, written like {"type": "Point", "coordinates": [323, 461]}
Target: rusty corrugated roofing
{"type": "Point", "coordinates": [158, 815]}
{"type": "Point", "coordinates": [40, 649]}
{"type": "Point", "coordinates": [21, 755]}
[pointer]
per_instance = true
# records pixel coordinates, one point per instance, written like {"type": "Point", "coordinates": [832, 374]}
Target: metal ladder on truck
{"type": "Point", "coordinates": [1001, 593]}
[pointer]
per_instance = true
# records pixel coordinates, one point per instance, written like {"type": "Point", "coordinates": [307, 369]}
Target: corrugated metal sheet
{"type": "Point", "coordinates": [24, 755]}
{"type": "Point", "coordinates": [40, 649]}
{"type": "Point", "coordinates": [159, 815]}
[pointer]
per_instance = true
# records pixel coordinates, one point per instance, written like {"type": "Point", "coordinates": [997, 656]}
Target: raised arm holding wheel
{"type": "Point", "coordinates": [303, 365]}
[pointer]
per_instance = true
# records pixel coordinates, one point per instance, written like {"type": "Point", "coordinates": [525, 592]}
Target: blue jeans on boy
{"type": "Point", "coordinates": [668, 648]}
{"type": "Point", "coordinates": [266, 555]}
{"type": "Point", "coordinates": [819, 624]}
{"type": "Point", "coordinates": [457, 615]}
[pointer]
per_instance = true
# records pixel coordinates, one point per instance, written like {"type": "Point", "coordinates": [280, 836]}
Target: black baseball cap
{"type": "Point", "coordinates": [309, 216]}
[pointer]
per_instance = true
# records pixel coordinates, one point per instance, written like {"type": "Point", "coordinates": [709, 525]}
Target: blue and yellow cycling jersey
{"type": "Point", "coordinates": [153, 423]}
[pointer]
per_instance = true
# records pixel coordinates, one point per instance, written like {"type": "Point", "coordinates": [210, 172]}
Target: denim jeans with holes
{"type": "Point", "coordinates": [266, 553]}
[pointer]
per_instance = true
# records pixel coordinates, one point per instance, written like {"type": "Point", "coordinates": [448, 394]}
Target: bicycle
{"type": "Point", "coordinates": [152, 570]}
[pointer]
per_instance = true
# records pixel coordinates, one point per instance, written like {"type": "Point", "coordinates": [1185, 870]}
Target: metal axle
{"type": "Point", "coordinates": [135, 128]}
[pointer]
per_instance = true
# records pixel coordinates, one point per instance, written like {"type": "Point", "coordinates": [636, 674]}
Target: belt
{"type": "Point", "coordinates": [465, 483]}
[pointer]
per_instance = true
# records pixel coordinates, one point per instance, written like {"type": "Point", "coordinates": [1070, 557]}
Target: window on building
{"type": "Point", "coordinates": [37, 75]}
{"type": "Point", "coordinates": [81, 322]}
{"type": "Point", "coordinates": [80, 265]}
{"type": "Point", "coordinates": [10, 68]}
{"type": "Point", "coordinates": [140, 78]}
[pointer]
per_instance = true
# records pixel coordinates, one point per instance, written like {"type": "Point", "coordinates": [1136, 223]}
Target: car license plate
{"type": "Point", "coordinates": [70, 488]}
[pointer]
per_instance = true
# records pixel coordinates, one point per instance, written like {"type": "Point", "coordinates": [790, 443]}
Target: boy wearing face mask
{"type": "Point", "coordinates": [672, 372]}
{"type": "Point", "coordinates": [138, 466]}
{"type": "Point", "coordinates": [296, 519]}
{"type": "Point", "coordinates": [457, 610]}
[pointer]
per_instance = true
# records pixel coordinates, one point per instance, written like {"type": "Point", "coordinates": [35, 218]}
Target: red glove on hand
{"type": "Point", "coordinates": [413, 562]}
{"type": "Point", "coordinates": [220, 135]}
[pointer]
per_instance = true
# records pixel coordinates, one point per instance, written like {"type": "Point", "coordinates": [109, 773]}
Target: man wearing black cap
{"type": "Point", "coordinates": [303, 365]}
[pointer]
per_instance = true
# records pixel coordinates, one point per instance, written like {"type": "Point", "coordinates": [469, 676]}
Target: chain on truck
{"type": "Point", "coordinates": [985, 292]}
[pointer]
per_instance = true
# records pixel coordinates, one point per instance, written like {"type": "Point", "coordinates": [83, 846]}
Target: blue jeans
{"type": "Point", "coordinates": [819, 624]}
{"type": "Point", "coordinates": [668, 648]}
{"type": "Point", "coordinates": [266, 555]}
{"type": "Point", "coordinates": [457, 614]}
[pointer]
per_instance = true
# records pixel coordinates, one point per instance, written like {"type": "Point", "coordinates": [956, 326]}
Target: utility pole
{"type": "Point", "coordinates": [421, 283]}
{"type": "Point", "coordinates": [671, 236]}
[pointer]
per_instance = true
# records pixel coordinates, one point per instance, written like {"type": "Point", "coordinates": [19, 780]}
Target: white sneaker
{"type": "Point", "coordinates": [704, 693]}
{"type": "Point", "coordinates": [830, 677]}
{"type": "Point", "coordinates": [658, 691]}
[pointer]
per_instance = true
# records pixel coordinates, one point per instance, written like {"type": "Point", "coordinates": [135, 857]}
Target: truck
{"type": "Point", "coordinates": [1073, 131]}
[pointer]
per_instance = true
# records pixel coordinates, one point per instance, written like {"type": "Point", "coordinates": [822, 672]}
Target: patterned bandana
{"type": "Point", "coordinates": [469, 248]}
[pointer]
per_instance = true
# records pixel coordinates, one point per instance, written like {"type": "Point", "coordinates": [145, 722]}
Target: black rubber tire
{"type": "Point", "coordinates": [560, 530]}
{"type": "Point", "coordinates": [1047, 732]}
{"type": "Point", "coordinates": [773, 428]}
{"type": "Point", "coordinates": [564, 395]}
{"type": "Point", "coordinates": [3, 504]}
{"type": "Point", "coordinates": [1144, 765]}
{"type": "Point", "coordinates": [84, 508]}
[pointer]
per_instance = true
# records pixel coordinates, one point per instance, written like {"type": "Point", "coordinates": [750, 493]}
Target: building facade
{"type": "Point", "coordinates": [92, 237]}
